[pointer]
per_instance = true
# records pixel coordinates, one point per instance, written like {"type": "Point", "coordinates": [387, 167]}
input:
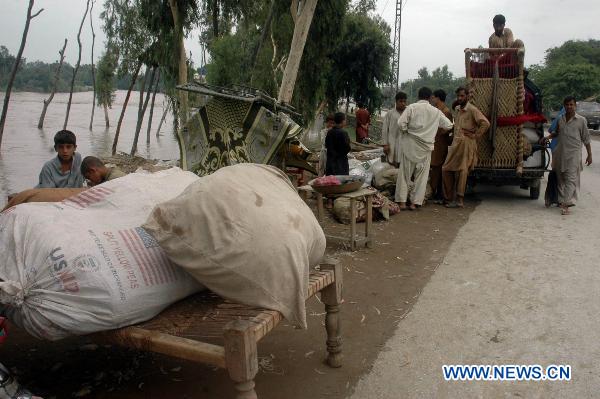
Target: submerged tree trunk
{"type": "Point", "coordinates": [292, 65]}
{"type": "Point", "coordinates": [87, 6]}
{"type": "Point", "coordinates": [162, 119]}
{"type": "Point", "coordinates": [152, 108]}
{"type": "Point", "coordinates": [56, 79]}
{"type": "Point", "coordinates": [15, 68]}
{"type": "Point", "coordinates": [142, 107]}
{"type": "Point", "coordinates": [93, 67]}
{"type": "Point", "coordinates": [106, 115]}
{"type": "Point", "coordinates": [133, 79]}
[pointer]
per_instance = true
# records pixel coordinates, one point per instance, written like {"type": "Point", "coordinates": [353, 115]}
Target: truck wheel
{"type": "Point", "coordinates": [534, 190]}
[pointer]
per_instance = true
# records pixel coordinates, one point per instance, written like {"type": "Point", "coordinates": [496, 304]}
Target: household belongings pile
{"type": "Point", "coordinates": [84, 264]}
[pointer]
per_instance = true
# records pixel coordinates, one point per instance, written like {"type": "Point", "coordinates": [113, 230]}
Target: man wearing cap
{"type": "Point", "coordinates": [503, 37]}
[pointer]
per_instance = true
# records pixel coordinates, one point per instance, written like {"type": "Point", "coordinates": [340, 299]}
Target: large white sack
{"type": "Point", "coordinates": [244, 233]}
{"type": "Point", "coordinates": [84, 265]}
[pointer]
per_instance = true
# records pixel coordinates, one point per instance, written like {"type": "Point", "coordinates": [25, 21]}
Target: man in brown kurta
{"type": "Point", "coordinates": [469, 124]}
{"type": "Point", "coordinates": [440, 148]}
{"type": "Point", "coordinates": [572, 133]}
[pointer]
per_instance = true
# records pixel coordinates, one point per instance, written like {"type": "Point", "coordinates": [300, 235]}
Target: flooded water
{"type": "Point", "coordinates": [25, 148]}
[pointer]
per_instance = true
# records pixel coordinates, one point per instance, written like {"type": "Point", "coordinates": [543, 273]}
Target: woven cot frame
{"type": "Point", "coordinates": [502, 147]}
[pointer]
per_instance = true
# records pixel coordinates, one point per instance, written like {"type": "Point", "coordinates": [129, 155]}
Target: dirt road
{"type": "Point", "coordinates": [519, 285]}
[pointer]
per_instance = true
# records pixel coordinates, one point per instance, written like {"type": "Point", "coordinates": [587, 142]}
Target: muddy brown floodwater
{"type": "Point", "coordinates": [25, 148]}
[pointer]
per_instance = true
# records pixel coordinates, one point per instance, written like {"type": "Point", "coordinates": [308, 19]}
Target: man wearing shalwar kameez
{"type": "Point", "coordinates": [573, 134]}
{"type": "Point", "coordinates": [390, 131]}
{"type": "Point", "coordinates": [419, 124]}
{"type": "Point", "coordinates": [469, 125]}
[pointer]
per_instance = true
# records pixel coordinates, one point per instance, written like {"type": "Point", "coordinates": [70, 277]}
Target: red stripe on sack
{"type": "Point", "coordinates": [89, 198]}
{"type": "Point", "coordinates": [141, 248]}
{"type": "Point", "coordinates": [147, 279]}
{"type": "Point", "coordinates": [96, 196]}
{"type": "Point", "coordinates": [156, 252]}
{"type": "Point", "coordinates": [103, 190]}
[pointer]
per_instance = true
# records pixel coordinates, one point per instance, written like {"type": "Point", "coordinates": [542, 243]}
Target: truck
{"type": "Point", "coordinates": [509, 153]}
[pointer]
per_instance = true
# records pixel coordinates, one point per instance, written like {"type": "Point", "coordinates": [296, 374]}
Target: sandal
{"type": "Point", "coordinates": [564, 211]}
{"type": "Point", "coordinates": [454, 205]}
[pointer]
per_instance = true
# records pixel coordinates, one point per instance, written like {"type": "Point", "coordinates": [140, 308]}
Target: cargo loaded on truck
{"type": "Point", "coordinates": [509, 153]}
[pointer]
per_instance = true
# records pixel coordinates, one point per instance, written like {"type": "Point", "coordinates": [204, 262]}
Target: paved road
{"type": "Point", "coordinates": [520, 285]}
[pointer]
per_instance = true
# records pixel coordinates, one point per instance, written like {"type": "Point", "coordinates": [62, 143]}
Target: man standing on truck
{"type": "Point", "coordinates": [419, 124]}
{"type": "Point", "coordinates": [503, 37]}
{"type": "Point", "coordinates": [440, 149]}
{"type": "Point", "coordinates": [566, 159]}
{"type": "Point", "coordinates": [469, 124]}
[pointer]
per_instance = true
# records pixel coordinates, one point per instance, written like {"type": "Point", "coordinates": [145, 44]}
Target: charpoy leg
{"type": "Point", "coordinates": [241, 357]}
{"type": "Point", "coordinates": [331, 296]}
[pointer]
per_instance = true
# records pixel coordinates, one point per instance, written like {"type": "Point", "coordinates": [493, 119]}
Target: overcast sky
{"type": "Point", "coordinates": [434, 32]}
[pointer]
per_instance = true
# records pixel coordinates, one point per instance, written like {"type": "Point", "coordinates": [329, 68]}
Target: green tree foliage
{"type": "Point", "coordinates": [439, 78]}
{"type": "Point", "coordinates": [570, 69]}
{"type": "Point", "coordinates": [581, 80]}
{"type": "Point", "coordinates": [105, 78]}
{"type": "Point", "coordinates": [36, 76]}
{"type": "Point", "coordinates": [231, 54]}
{"type": "Point", "coordinates": [361, 60]}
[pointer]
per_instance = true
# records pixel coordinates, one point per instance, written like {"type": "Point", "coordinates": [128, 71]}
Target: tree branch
{"type": "Point", "coordinates": [36, 14]}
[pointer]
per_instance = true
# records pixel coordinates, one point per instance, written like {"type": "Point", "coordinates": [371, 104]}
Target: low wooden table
{"type": "Point", "coordinates": [353, 240]}
{"type": "Point", "coordinates": [205, 328]}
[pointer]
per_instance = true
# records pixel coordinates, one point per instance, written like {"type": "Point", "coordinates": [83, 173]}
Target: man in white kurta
{"type": "Point", "coordinates": [390, 130]}
{"type": "Point", "coordinates": [418, 124]}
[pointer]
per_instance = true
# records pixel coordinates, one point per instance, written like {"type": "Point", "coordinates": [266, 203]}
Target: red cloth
{"type": "Point", "coordinates": [520, 119]}
{"type": "Point", "coordinates": [508, 67]}
{"type": "Point", "coordinates": [362, 118]}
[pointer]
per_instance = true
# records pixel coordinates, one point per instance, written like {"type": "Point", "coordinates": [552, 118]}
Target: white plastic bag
{"type": "Point", "coordinates": [84, 265]}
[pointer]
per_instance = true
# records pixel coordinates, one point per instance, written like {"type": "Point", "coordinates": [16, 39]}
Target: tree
{"type": "Point", "coordinates": [56, 79]}
{"type": "Point", "coordinates": [570, 69]}
{"type": "Point", "coordinates": [558, 81]}
{"type": "Point", "coordinates": [93, 68]}
{"type": "Point", "coordinates": [152, 107]}
{"type": "Point", "coordinates": [105, 83]}
{"type": "Point", "coordinates": [87, 6]}
{"type": "Point", "coordinates": [301, 28]}
{"type": "Point", "coordinates": [360, 61]}
{"type": "Point", "coordinates": [15, 68]}
{"type": "Point", "coordinates": [143, 104]}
